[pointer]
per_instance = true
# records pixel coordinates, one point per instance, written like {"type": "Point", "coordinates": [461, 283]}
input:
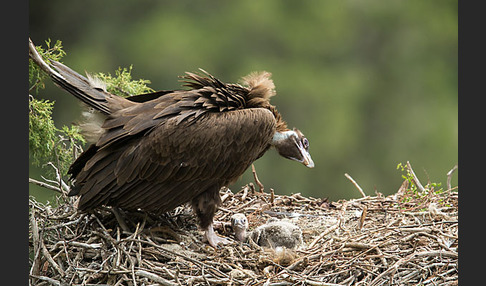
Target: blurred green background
{"type": "Point", "coordinates": [370, 83]}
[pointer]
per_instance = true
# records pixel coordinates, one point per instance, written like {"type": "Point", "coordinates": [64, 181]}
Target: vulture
{"type": "Point", "coordinates": [156, 151]}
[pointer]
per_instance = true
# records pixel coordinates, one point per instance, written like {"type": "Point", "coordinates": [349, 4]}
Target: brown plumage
{"type": "Point", "coordinates": [160, 150]}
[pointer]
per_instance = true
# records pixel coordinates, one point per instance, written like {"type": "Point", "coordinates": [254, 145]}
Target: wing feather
{"type": "Point", "coordinates": [176, 161]}
{"type": "Point", "coordinates": [155, 155]}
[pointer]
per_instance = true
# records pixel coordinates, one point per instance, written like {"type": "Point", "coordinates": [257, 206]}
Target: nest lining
{"type": "Point", "coordinates": [375, 240]}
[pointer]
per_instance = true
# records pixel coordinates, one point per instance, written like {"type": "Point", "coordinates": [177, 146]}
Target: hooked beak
{"type": "Point", "coordinates": [307, 160]}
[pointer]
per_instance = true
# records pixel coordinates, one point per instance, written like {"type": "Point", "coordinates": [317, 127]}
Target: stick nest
{"type": "Point", "coordinates": [401, 239]}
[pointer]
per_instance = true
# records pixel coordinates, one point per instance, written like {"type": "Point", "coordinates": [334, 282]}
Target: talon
{"type": "Point", "coordinates": [213, 239]}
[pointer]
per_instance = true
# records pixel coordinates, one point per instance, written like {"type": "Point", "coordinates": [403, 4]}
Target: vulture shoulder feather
{"type": "Point", "coordinates": [171, 161]}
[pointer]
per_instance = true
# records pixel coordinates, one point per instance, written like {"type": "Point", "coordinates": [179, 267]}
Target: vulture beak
{"type": "Point", "coordinates": [306, 157]}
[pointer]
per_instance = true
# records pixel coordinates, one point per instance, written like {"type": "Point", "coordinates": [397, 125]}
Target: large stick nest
{"type": "Point", "coordinates": [407, 238]}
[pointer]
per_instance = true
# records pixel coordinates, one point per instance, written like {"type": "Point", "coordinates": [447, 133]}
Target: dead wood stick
{"type": "Point", "coordinates": [321, 236]}
{"type": "Point", "coordinates": [449, 177]}
{"type": "Point", "coordinates": [433, 253]}
{"type": "Point", "coordinates": [260, 185]}
{"type": "Point", "coordinates": [47, 279]}
{"type": "Point", "coordinates": [406, 259]}
{"type": "Point", "coordinates": [197, 262]}
{"type": "Point", "coordinates": [39, 244]}
{"type": "Point", "coordinates": [355, 184]}
{"type": "Point", "coordinates": [415, 179]}
{"type": "Point", "coordinates": [49, 258]}
{"type": "Point", "coordinates": [45, 185]}
{"type": "Point", "coordinates": [358, 245]}
{"type": "Point", "coordinates": [155, 278]}
{"type": "Point", "coordinates": [66, 223]}
{"type": "Point", "coordinates": [62, 185]}
{"type": "Point", "coordinates": [35, 269]}
{"type": "Point", "coordinates": [78, 244]}
{"type": "Point", "coordinates": [308, 281]}
{"type": "Point", "coordinates": [390, 270]}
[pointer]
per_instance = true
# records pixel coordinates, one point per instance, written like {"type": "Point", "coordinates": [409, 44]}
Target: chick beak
{"type": "Point", "coordinates": [239, 223]}
{"type": "Point", "coordinates": [307, 160]}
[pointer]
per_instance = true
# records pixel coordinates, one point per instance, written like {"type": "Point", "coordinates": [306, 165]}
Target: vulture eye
{"type": "Point", "coordinates": [305, 143]}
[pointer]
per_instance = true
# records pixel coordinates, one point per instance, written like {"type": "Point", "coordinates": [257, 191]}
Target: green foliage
{"type": "Point", "coordinates": [122, 84]}
{"type": "Point", "coordinates": [411, 193]}
{"type": "Point", "coordinates": [412, 187]}
{"type": "Point", "coordinates": [47, 143]}
{"type": "Point", "coordinates": [42, 131]}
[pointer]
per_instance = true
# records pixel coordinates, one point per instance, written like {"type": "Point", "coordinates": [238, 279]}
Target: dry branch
{"type": "Point", "coordinates": [255, 176]}
{"type": "Point", "coordinates": [415, 178]}
{"type": "Point", "coordinates": [449, 177]}
{"type": "Point", "coordinates": [355, 184]}
{"type": "Point", "coordinates": [45, 185]}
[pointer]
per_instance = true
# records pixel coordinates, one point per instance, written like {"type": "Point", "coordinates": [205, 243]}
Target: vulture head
{"type": "Point", "coordinates": [293, 145]}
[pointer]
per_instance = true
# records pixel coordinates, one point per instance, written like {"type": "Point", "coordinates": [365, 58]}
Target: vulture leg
{"type": "Point", "coordinates": [213, 238]}
{"type": "Point", "coordinates": [205, 206]}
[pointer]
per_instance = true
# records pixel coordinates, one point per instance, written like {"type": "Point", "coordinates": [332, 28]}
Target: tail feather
{"type": "Point", "coordinates": [85, 89]}
{"type": "Point", "coordinates": [80, 87]}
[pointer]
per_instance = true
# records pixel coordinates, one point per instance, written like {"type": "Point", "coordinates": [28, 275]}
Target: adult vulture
{"type": "Point", "coordinates": [157, 151]}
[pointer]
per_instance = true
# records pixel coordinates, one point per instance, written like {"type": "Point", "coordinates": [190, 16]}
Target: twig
{"type": "Point", "coordinates": [363, 217]}
{"type": "Point", "coordinates": [47, 279]}
{"type": "Point", "coordinates": [272, 196]}
{"type": "Point", "coordinates": [79, 244]}
{"type": "Point", "coordinates": [150, 242]}
{"type": "Point", "coordinates": [155, 278]}
{"type": "Point", "coordinates": [322, 235]}
{"type": "Point", "coordinates": [415, 179]}
{"type": "Point", "coordinates": [34, 270]}
{"type": "Point", "coordinates": [45, 185]}
{"type": "Point", "coordinates": [449, 177]}
{"type": "Point", "coordinates": [62, 185]}
{"type": "Point", "coordinates": [49, 258]}
{"type": "Point", "coordinates": [260, 185]}
{"type": "Point", "coordinates": [355, 184]}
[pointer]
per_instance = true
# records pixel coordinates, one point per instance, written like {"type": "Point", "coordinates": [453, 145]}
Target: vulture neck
{"type": "Point", "coordinates": [281, 136]}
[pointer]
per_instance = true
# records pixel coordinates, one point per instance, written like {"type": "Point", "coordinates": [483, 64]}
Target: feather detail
{"type": "Point", "coordinates": [95, 82]}
{"type": "Point", "coordinates": [260, 85]}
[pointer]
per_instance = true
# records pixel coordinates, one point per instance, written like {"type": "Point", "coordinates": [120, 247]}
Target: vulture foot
{"type": "Point", "coordinates": [213, 239]}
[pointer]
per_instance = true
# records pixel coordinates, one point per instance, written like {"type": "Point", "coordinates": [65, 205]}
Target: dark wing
{"type": "Point", "coordinates": [173, 160]}
{"type": "Point", "coordinates": [149, 96]}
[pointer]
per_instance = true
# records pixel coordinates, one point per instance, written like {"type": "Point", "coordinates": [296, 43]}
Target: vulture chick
{"type": "Point", "coordinates": [156, 151]}
{"type": "Point", "coordinates": [275, 233]}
